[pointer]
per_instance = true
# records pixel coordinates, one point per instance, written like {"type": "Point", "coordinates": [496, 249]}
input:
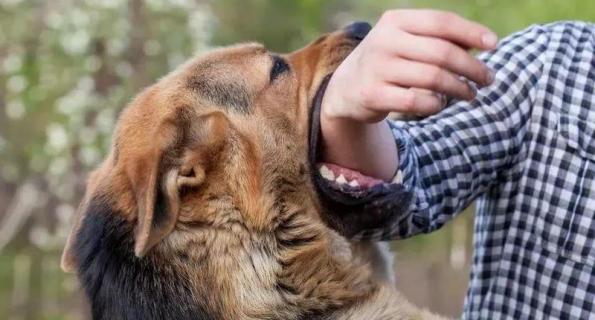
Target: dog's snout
{"type": "Point", "coordinates": [358, 30]}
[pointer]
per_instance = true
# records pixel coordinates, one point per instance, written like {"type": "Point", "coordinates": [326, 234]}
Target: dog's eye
{"type": "Point", "coordinates": [279, 66]}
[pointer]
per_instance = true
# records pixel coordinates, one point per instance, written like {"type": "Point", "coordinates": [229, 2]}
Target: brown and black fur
{"type": "Point", "coordinates": [205, 207]}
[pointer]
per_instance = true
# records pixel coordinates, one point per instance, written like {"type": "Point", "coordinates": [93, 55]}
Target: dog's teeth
{"type": "Point", "coordinates": [326, 173]}
{"type": "Point", "coordinates": [341, 179]}
{"type": "Point", "coordinates": [354, 184]}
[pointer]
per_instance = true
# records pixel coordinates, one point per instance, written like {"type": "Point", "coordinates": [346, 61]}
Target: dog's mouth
{"type": "Point", "coordinates": [334, 174]}
{"type": "Point", "coordinates": [341, 176]}
{"type": "Point", "coordinates": [337, 176]}
{"type": "Point", "coordinates": [352, 202]}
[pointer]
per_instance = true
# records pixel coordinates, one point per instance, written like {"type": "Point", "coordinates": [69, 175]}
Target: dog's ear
{"type": "Point", "coordinates": [158, 203]}
{"type": "Point", "coordinates": [158, 191]}
{"type": "Point", "coordinates": [174, 162]}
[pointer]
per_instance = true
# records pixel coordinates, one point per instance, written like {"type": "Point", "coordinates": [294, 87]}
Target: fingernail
{"type": "Point", "coordinates": [443, 100]}
{"type": "Point", "coordinates": [489, 39]}
{"type": "Point", "coordinates": [473, 91]}
{"type": "Point", "coordinates": [440, 100]}
{"type": "Point", "coordinates": [490, 76]}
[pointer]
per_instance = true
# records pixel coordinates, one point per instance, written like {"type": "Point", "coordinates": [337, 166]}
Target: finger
{"type": "Point", "coordinates": [422, 94]}
{"type": "Point", "coordinates": [406, 73]}
{"type": "Point", "coordinates": [442, 97]}
{"type": "Point", "coordinates": [444, 54]}
{"type": "Point", "coordinates": [391, 98]}
{"type": "Point", "coordinates": [445, 25]}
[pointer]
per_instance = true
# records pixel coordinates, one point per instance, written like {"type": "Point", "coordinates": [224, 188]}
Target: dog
{"type": "Point", "coordinates": [205, 207]}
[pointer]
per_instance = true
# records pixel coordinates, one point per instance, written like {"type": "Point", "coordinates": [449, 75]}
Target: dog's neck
{"type": "Point", "coordinates": [300, 270]}
{"type": "Point", "coordinates": [297, 269]}
{"type": "Point", "coordinates": [121, 286]}
{"type": "Point", "coordinates": [232, 274]}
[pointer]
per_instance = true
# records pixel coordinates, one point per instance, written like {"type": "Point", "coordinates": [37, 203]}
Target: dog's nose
{"type": "Point", "coordinates": [358, 30]}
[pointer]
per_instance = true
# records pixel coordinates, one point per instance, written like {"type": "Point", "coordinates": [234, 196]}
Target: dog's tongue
{"type": "Point", "coordinates": [344, 176]}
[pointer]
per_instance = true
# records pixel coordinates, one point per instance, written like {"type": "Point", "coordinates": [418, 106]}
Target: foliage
{"type": "Point", "coordinates": [68, 67]}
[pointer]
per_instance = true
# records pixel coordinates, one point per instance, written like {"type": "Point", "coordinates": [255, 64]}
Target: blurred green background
{"type": "Point", "coordinates": [67, 67]}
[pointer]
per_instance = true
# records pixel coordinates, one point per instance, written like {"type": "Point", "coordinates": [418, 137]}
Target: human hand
{"type": "Point", "coordinates": [407, 63]}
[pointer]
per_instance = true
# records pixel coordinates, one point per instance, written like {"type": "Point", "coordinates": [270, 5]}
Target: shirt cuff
{"type": "Point", "coordinates": [407, 168]}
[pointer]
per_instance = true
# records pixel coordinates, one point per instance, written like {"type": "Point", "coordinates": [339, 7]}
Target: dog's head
{"type": "Point", "coordinates": [225, 132]}
{"type": "Point", "coordinates": [211, 163]}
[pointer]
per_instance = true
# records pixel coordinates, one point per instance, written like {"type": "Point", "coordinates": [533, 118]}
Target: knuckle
{"type": "Point", "coordinates": [368, 95]}
{"type": "Point", "coordinates": [385, 18]}
{"type": "Point", "coordinates": [449, 17]}
{"type": "Point", "coordinates": [445, 54]}
{"type": "Point", "coordinates": [389, 16]}
{"type": "Point", "coordinates": [435, 78]}
{"type": "Point", "coordinates": [442, 19]}
{"type": "Point", "coordinates": [408, 101]}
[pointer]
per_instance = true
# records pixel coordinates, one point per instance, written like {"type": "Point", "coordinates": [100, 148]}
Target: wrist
{"type": "Point", "coordinates": [365, 147]}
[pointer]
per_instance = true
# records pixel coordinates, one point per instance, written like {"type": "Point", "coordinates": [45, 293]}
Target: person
{"type": "Point", "coordinates": [522, 146]}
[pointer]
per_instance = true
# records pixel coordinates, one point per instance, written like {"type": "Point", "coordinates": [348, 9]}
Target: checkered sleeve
{"type": "Point", "coordinates": [449, 159]}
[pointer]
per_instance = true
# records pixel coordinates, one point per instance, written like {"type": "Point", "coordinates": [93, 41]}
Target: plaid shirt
{"type": "Point", "coordinates": [525, 150]}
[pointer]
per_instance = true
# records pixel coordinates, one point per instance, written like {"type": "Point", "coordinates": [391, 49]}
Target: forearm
{"type": "Point", "coordinates": [365, 147]}
{"type": "Point", "coordinates": [450, 159]}
{"type": "Point", "coordinates": [382, 75]}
